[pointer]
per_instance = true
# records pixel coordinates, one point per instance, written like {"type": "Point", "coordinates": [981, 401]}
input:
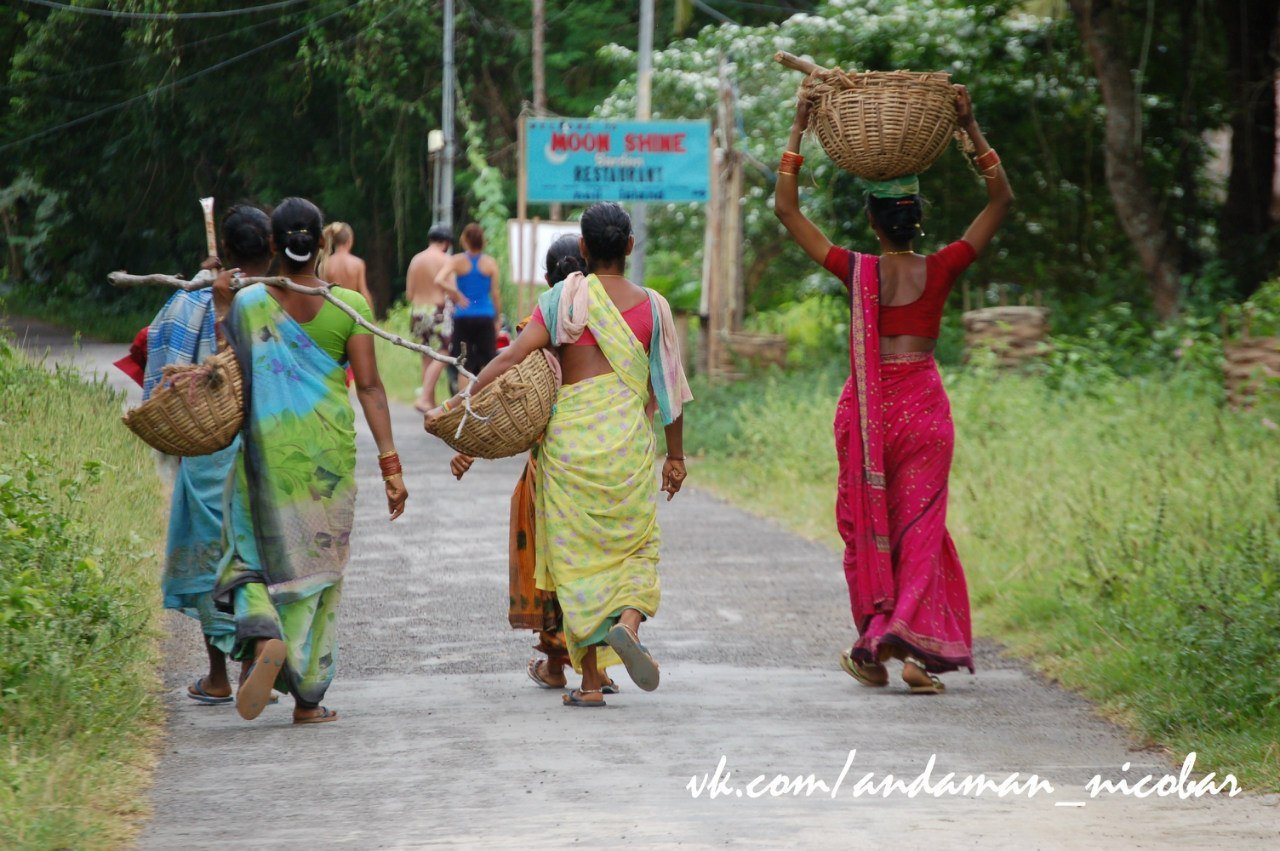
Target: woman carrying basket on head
{"type": "Point", "coordinates": [597, 541]}
{"type": "Point", "coordinates": [291, 503]}
{"type": "Point", "coordinates": [893, 428]}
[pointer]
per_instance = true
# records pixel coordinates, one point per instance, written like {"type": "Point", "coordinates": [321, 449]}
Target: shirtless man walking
{"type": "Point", "coordinates": [431, 322]}
{"type": "Point", "coordinates": [339, 265]}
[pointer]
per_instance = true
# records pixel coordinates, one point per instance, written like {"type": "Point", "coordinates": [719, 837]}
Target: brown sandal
{"type": "Point", "coordinates": [874, 675]}
{"type": "Point", "coordinates": [535, 669]}
{"type": "Point", "coordinates": [255, 692]}
{"type": "Point", "coordinates": [930, 685]}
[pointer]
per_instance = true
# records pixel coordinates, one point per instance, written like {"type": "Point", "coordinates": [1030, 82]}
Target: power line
{"type": "Point", "coordinates": [161, 16]}
{"type": "Point", "coordinates": [175, 83]}
{"type": "Point", "coordinates": [713, 12]}
{"type": "Point", "coordinates": [137, 59]}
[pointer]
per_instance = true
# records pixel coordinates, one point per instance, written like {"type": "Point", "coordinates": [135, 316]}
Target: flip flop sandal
{"type": "Point", "coordinates": [861, 672]}
{"type": "Point", "coordinates": [574, 698]}
{"type": "Point", "coordinates": [934, 686]}
{"type": "Point", "coordinates": [640, 665]}
{"type": "Point", "coordinates": [255, 691]}
{"type": "Point", "coordinates": [326, 714]}
{"type": "Point", "coordinates": [532, 670]}
{"type": "Point", "coordinates": [609, 688]}
{"type": "Point", "coordinates": [197, 693]}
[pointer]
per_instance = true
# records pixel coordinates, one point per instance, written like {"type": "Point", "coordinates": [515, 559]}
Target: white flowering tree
{"type": "Point", "coordinates": [1033, 97]}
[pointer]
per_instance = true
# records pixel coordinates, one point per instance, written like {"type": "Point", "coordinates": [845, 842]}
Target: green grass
{"type": "Point", "coordinates": [1126, 541]}
{"type": "Point", "coordinates": [80, 515]}
{"type": "Point", "coordinates": [113, 321]}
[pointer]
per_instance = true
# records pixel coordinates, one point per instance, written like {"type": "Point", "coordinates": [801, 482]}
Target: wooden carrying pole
{"type": "Point", "coordinates": [124, 279]}
{"type": "Point", "coordinates": [522, 206]}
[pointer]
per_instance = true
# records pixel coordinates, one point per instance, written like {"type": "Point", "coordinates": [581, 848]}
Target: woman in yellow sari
{"type": "Point", "coordinates": [597, 542]}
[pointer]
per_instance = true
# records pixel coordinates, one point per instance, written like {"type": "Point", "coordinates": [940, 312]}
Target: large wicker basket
{"type": "Point", "coordinates": [517, 408]}
{"type": "Point", "coordinates": [195, 410]}
{"type": "Point", "coordinates": [879, 125]}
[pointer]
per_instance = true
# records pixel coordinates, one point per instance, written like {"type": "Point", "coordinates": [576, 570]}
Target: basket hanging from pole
{"type": "Point", "coordinates": [195, 410]}
{"type": "Point", "coordinates": [515, 409]}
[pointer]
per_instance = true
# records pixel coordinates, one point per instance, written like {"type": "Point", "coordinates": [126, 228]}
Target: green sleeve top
{"type": "Point", "coordinates": [331, 328]}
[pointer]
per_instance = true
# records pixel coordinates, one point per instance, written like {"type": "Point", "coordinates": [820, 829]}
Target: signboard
{"type": "Point", "coordinates": [579, 160]}
{"type": "Point", "coordinates": [527, 245]}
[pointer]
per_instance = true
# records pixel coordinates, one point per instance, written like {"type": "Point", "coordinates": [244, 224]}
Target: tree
{"type": "Point", "coordinates": [1248, 239]}
{"type": "Point", "coordinates": [1141, 216]}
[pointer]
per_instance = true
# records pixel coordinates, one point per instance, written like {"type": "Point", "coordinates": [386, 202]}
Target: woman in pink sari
{"type": "Point", "coordinates": [893, 429]}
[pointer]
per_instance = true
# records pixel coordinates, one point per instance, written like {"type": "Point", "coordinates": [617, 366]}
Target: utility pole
{"type": "Point", "coordinates": [446, 121]}
{"type": "Point", "coordinates": [644, 110]}
{"type": "Point", "coordinates": [540, 71]}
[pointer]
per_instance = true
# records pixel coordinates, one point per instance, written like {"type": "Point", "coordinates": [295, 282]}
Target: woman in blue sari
{"type": "Point", "coordinates": [183, 333]}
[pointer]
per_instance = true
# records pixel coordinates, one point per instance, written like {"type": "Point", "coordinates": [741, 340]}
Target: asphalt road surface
{"type": "Point", "coordinates": [443, 741]}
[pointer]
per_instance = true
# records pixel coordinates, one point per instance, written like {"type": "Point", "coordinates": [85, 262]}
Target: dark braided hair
{"type": "Point", "coordinates": [899, 218]}
{"type": "Point", "coordinates": [563, 259]}
{"type": "Point", "coordinates": [296, 226]}
{"type": "Point", "coordinates": [246, 235]}
{"type": "Point", "coordinates": [606, 228]}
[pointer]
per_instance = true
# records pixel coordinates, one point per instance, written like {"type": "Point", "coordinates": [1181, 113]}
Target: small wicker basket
{"type": "Point", "coordinates": [516, 407]}
{"type": "Point", "coordinates": [879, 125]}
{"type": "Point", "coordinates": [196, 410]}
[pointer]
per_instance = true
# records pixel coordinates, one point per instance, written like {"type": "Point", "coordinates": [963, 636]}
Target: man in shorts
{"type": "Point", "coordinates": [431, 305]}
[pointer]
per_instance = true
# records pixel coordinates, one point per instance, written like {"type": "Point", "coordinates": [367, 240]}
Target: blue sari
{"type": "Point", "coordinates": [183, 333]}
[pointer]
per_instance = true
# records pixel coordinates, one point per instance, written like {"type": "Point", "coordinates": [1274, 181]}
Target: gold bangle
{"type": "Point", "coordinates": [793, 153]}
{"type": "Point", "coordinates": [393, 476]}
{"type": "Point", "coordinates": [792, 173]}
{"type": "Point", "coordinates": [387, 454]}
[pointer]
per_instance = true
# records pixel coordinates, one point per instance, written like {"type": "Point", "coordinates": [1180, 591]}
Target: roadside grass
{"type": "Point", "coordinates": [115, 321]}
{"type": "Point", "coordinates": [400, 368]}
{"type": "Point", "coordinates": [1125, 540]}
{"type": "Point", "coordinates": [80, 515]}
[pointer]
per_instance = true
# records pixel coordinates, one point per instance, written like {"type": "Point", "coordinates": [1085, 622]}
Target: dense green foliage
{"type": "Point", "coordinates": [1127, 539]}
{"type": "Point", "coordinates": [337, 109]}
{"type": "Point", "coordinates": [79, 518]}
{"type": "Point", "coordinates": [1037, 100]}
{"type": "Point", "coordinates": [337, 102]}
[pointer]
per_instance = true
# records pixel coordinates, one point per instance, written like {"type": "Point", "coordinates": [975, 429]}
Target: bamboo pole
{"type": "Point", "coordinates": [124, 280]}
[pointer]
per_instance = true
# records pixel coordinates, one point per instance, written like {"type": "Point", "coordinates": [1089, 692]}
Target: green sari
{"type": "Point", "coordinates": [289, 513]}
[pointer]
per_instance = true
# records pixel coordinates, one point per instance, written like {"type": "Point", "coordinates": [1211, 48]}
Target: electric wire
{"type": "Point", "coordinates": [161, 16]}
{"type": "Point", "coordinates": [164, 87]}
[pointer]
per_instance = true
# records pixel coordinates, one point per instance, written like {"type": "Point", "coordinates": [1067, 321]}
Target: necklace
{"type": "Point", "coordinates": [892, 253]}
{"type": "Point", "coordinates": [598, 275]}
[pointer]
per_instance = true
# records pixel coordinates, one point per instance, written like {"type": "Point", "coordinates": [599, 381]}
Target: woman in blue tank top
{"type": "Point", "coordinates": [472, 279]}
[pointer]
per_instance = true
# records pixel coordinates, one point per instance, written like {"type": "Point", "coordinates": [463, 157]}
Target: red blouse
{"type": "Point", "coordinates": [639, 320]}
{"type": "Point", "coordinates": [922, 317]}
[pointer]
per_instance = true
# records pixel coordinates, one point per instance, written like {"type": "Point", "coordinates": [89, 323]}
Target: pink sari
{"type": "Point", "coordinates": [894, 440]}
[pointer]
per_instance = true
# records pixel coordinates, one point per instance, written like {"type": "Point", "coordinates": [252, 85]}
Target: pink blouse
{"type": "Point", "coordinates": [639, 319]}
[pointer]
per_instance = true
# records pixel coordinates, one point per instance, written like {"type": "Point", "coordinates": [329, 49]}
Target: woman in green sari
{"type": "Point", "coordinates": [290, 507]}
{"type": "Point", "coordinates": [597, 542]}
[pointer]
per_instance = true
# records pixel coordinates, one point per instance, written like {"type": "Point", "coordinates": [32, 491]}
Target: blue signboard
{"type": "Point", "coordinates": [583, 160]}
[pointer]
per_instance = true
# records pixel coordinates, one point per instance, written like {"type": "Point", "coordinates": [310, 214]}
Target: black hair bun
{"type": "Point", "coordinates": [299, 246]}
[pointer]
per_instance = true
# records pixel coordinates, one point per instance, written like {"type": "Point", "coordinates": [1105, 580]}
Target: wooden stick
{"type": "Point", "coordinates": [123, 279]}
{"type": "Point", "coordinates": [795, 63]}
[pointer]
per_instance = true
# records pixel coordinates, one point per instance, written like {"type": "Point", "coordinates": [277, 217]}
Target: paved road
{"type": "Point", "coordinates": [444, 742]}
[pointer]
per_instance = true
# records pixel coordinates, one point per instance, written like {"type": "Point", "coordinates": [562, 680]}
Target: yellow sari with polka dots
{"type": "Point", "coordinates": [597, 542]}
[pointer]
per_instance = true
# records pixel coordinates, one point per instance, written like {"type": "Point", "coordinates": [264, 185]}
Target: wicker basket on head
{"type": "Point", "coordinates": [517, 408]}
{"type": "Point", "coordinates": [195, 410]}
{"type": "Point", "coordinates": [879, 125]}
